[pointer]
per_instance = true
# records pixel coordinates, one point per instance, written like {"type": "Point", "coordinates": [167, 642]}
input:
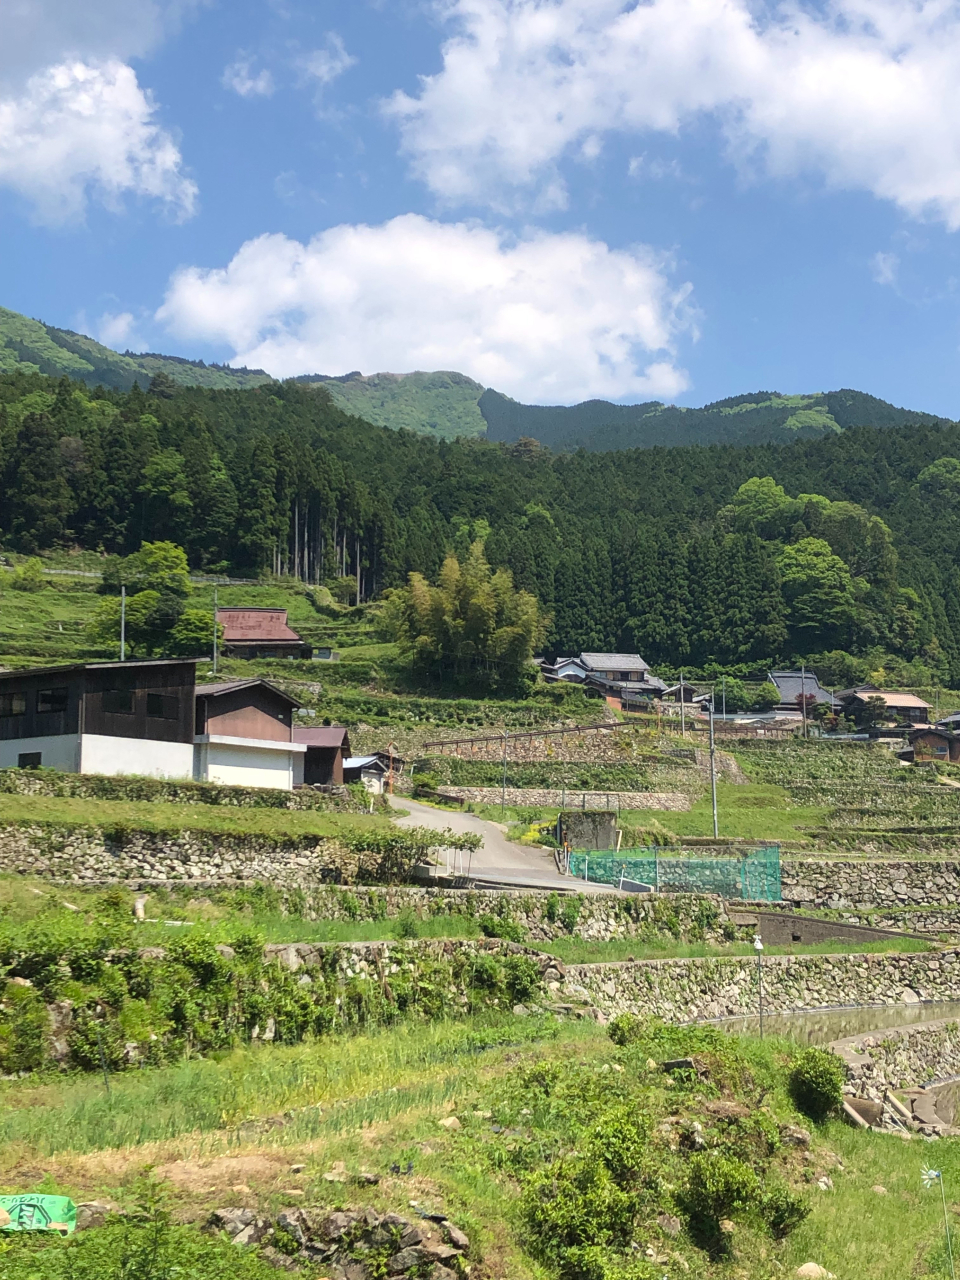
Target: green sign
{"type": "Point", "coordinates": [40, 1213]}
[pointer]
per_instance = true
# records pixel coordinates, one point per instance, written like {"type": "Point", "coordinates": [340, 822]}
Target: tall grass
{"type": "Point", "coordinates": [582, 951]}
{"type": "Point", "coordinates": [329, 1085]}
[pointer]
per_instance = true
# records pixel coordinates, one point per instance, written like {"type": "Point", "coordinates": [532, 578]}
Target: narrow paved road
{"type": "Point", "coordinates": [497, 858]}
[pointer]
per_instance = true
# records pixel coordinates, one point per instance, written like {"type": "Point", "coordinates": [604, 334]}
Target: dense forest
{"type": "Point", "coordinates": [737, 556]}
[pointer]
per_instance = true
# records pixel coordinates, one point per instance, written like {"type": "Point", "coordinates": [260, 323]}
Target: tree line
{"type": "Point", "coordinates": [842, 550]}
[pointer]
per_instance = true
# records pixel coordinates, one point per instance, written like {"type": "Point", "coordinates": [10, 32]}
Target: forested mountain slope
{"type": "Point", "coordinates": [33, 347]}
{"type": "Point", "coordinates": [848, 543]}
{"type": "Point", "coordinates": [599, 426]}
{"type": "Point", "coordinates": [448, 405]}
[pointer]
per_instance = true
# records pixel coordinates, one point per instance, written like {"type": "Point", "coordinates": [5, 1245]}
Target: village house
{"type": "Point", "coordinates": [902, 707]}
{"type": "Point", "coordinates": [793, 686]}
{"type": "Point", "coordinates": [623, 676]}
{"type": "Point", "coordinates": [260, 633]}
{"type": "Point", "coordinates": [148, 718]}
{"type": "Point", "coordinates": [931, 743]}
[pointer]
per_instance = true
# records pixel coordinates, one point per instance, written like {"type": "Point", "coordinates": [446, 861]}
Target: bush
{"type": "Point", "coordinates": [816, 1083]}
{"type": "Point", "coordinates": [626, 1028]}
{"type": "Point", "coordinates": [501, 927]}
{"type": "Point", "coordinates": [783, 1210]}
{"type": "Point", "coordinates": [719, 1186]}
{"type": "Point", "coordinates": [570, 913]}
{"type": "Point", "coordinates": [522, 977]}
{"type": "Point", "coordinates": [406, 924]}
{"type": "Point", "coordinates": [28, 577]}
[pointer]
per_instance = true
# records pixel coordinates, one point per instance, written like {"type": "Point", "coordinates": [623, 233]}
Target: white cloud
{"type": "Point", "coordinates": [239, 78]}
{"type": "Point", "coordinates": [116, 330]}
{"type": "Point", "coordinates": [40, 33]}
{"type": "Point", "coordinates": [884, 268]}
{"type": "Point", "coordinates": [78, 129]}
{"type": "Point", "coordinates": [326, 64]}
{"type": "Point", "coordinates": [865, 93]}
{"type": "Point", "coordinates": [548, 317]}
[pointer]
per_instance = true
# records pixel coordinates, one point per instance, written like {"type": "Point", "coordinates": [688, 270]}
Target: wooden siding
{"type": "Point", "coordinates": [254, 712]}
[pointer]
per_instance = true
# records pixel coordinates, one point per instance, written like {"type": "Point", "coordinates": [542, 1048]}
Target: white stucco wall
{"type": "Point", "coordinates": [145, 757]}
{"type": "Point", "coordinates": [246, 762]}
{"type": "Point", "coordinates": [61, 751]}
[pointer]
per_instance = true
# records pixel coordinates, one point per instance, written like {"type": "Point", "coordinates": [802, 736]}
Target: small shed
{"type": "Point", "coordinates": [328, 747]}
{"type": "Point", "coordinates": [370, 770]}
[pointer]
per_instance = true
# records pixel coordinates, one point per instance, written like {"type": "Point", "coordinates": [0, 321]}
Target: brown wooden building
{"type": "Point", "coordinates": [260, 633]}
{"type": "Point", "coordinates": [327, 748]}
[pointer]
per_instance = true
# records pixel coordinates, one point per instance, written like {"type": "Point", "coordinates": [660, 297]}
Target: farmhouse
{"type": "Point", "coordinates": [147, 718]}
{"type": "Point", "coordinates": [260, 633]}
{"type": "Point", "coordinates": [616, 675]}
{"type": "Point", "coordinates": [900, 706]}
{"type": "Point", "coordinates": [796, 685]}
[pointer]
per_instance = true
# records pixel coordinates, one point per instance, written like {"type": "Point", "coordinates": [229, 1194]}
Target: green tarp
{"type": "Point", "coordinates": [33, 1212]}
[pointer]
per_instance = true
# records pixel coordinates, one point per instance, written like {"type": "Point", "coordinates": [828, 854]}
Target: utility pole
{"type": "Point", "coordinates": [123, 622]}
{"type": "Point", "coordinates": [503, 786]}
{"type": "Point", "coordinates": [758, 945]}
{"type": "Point", "coordinates": [215, 636]}
{"type": "Point", "coordinates": [683, 715]}
{"type": "Point", "coordinates": [713, 774]}
{"type": "Point", "coordinates": [803, 697]}
{"type": "Point", "coordinates": [723, 680]}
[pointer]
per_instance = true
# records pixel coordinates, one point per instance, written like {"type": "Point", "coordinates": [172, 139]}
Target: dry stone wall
{"type": "Point", "coordinates": [902, 1057]}
{"type": "Point", "coordinates": [90, 854]}
{"type": "Point", "coordinates": [695, 990]}
{"type": "Point", "coordinates": [869, 883]}
{"type": "Point", "coordinates": [535, 798]}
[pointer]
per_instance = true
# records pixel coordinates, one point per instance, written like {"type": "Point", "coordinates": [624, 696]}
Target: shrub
{"type": "Point", "coordinates": [570, 913]}
{"type": "Point", "coordinates": [783, 1210]}
{"type": "Point", "coordinates": [501, 927]}
{"type": "Point", "coordinates": [625, 1028]}
{"type": "Point", "coordinates": [406, 924]}
{"type": "Point", "coordinates": [816, 1083]}
{"type": "Point", "coordinates": [553, 907]}
{"type": "Point", "coordinates": [719, 1186]}
{"type": "Point", "coordinates": [522, 977]}
{"type": "Point", "coordinates": [28, 577]}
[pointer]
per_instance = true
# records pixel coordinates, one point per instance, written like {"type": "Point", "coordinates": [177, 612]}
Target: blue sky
{"type": "Point", "coordinates": [680, 200]}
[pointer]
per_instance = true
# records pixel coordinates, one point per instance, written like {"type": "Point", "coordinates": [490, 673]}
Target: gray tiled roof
{"type": "Point", "coordinates": [792, 683]}
{"type": "Point", "coordinates": [613, 661]}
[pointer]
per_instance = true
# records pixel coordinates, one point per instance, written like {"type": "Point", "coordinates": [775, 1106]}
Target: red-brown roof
{"type": "Point", "coordinates": [255, 624]}
{"type": "Point", "coordinates": [321, 735]}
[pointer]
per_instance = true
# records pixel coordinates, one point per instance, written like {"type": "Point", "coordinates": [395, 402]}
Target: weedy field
{"type": "Point", "coordinates": [562, 1150]}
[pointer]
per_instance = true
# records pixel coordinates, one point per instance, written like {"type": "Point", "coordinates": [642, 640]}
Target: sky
{"type": "Point", "coordinates": [679, 200]}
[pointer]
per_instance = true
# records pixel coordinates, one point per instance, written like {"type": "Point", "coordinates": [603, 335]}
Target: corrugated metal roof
{"type": "Point", "coordinates": [266, 625]}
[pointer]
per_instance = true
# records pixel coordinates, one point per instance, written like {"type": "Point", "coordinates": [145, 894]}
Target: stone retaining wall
{"type": "Point", "coordinates": [868, 883]}
{"type": "Point", "coordinates": [694, 990]}
{"type": "Point", "coordinates": [902, 1057]}
{"type": "Point", "coordinates": [536, 798]}
{"type": "Point", "coordinates": [91, 854]}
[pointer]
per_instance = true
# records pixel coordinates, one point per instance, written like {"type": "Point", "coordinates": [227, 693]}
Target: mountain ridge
{"type": "Point", "coordinates": [446, 404]}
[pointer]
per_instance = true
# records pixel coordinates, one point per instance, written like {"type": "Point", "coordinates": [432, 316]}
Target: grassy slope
{"type": "Point", "coordinates": [438, 404]}
{"type": "Point", "coordinates": [375, 1101]}
{"type": "Point", "coordinates": [35, 347]}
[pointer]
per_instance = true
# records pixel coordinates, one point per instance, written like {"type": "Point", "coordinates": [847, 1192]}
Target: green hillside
{"type": "Point", "coordinates": [33, 347]}
{"type": "Point", "coordinates": [439, 404]}
{"type": "Point", "coordinates": [764, 417]}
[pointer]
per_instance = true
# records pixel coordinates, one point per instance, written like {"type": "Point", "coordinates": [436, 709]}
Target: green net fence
{"type": "Point", "coordinates": [753, 876]}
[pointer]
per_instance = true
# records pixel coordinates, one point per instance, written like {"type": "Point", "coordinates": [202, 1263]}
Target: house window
{"type": "Point", "coordinates": [52, 701]}
{"type": "Point", "coordinates": [29, 759]}
{"type": "Point", "coordinates": [163, 706]}
{"type": "Point", "coordinates": [118, 702]}
{"type": "Point", "coordinates": [13, 704]}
